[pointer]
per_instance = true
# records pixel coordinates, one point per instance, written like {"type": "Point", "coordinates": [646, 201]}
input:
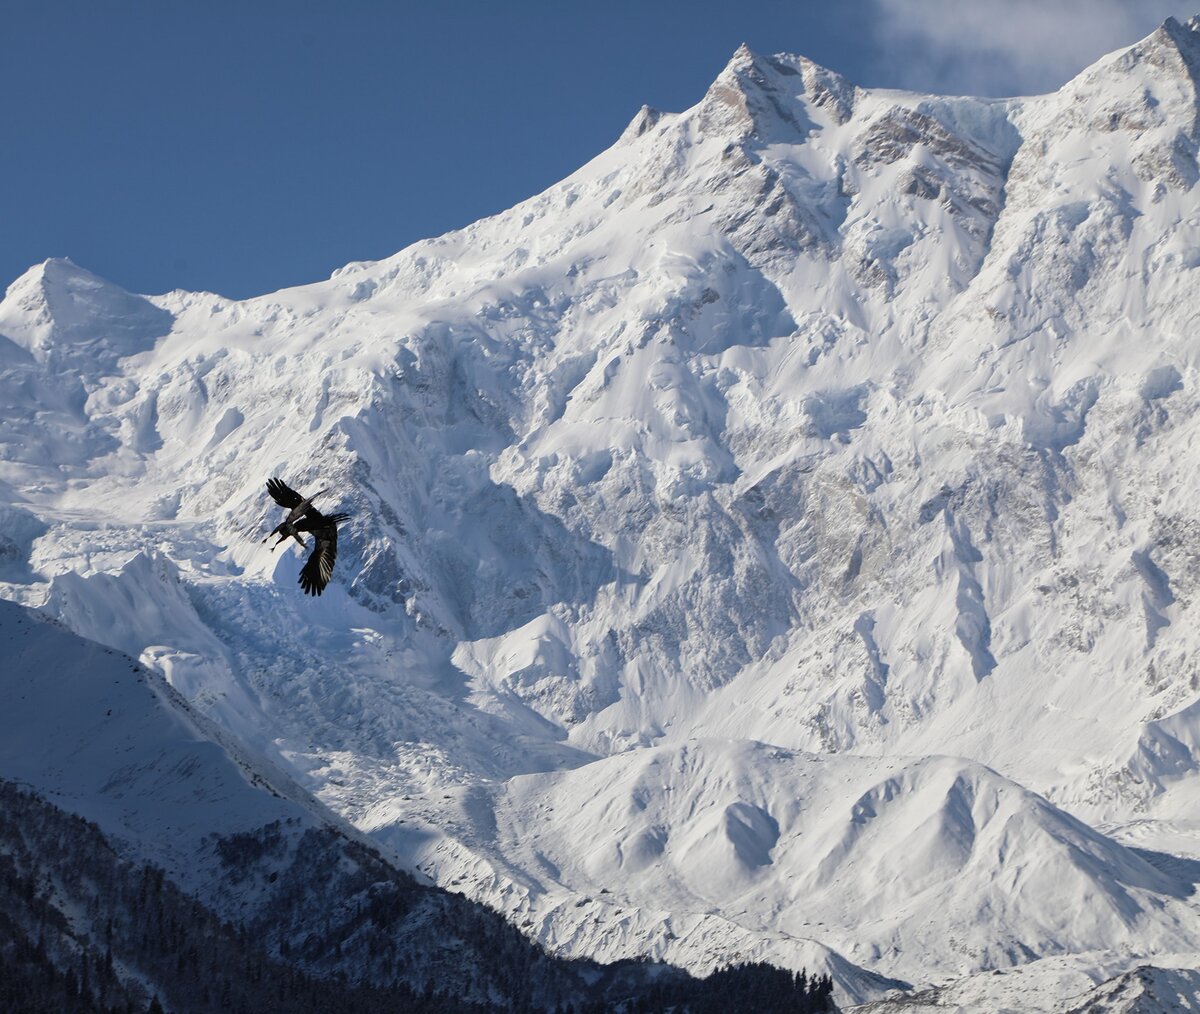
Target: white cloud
{"type": "Point", "coordinates": [999, 47]}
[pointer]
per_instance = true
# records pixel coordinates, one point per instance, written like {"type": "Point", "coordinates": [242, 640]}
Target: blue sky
{"type": "Point", "coordinates": [241, 147]}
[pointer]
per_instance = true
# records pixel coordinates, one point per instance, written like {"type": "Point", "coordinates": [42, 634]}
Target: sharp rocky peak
{"type": "Point", "coordinates": [1145, 90]}
{"type": "Point", "coordinates": [774, 97]}
{"type": "Point", "coordinates": [1171, 51]}
{"type": "Point", "coordinates": [647, 119]}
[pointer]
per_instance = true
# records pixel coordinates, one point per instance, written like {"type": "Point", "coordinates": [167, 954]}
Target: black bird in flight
{"type": "Point", "coordinates": [304, 517]}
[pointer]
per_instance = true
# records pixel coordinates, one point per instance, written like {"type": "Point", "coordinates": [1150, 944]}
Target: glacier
{"type": "Point", "coordinates": [776, 540]}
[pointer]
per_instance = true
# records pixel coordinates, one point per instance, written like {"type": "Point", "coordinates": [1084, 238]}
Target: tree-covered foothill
{"type": "Point", "coordinates": [83, 929]}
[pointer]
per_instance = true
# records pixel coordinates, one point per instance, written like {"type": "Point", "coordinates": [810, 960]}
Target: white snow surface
{"type": "Point", "coordinates": [100, 736]}
{"type": "Point", "coordinates": [779, 538]}
{"type": "Point", "coordinates": [1059, 986]}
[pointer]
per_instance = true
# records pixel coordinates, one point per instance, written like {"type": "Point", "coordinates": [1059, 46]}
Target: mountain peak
{"type": "Point", "coordinates": [772, 96]}
{"type": "Point", "coordinates": [1148, 90]}
{"type": "Point", "coordinates": [38, 276]}
{"type": "Point", "coordinates": [1172, 50]}
{"type": "Point", "coordinates": [749, 99]}
{"type": "Point", "coordinates": [57, 266]}
{"type": "Point", "coordinates": [742, 54]}
{"type": "Point", "coordinates": [1184, 40]}
{"type": "Point", "coordinates": [647, 119]}
{"type": "Point", "coordinates": [57, 302]}
{"type": "Point", "coordinates": [1170, 37]}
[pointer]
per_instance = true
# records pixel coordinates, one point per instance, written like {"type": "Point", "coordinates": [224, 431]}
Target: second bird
{"type": "Point", "coordinates": [304, 517]}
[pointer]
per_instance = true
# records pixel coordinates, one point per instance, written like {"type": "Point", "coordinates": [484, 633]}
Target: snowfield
{"type": "Point", "coordinates": [778, 539]}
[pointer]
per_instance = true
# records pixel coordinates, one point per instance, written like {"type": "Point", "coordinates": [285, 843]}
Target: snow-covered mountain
{"type": "Point", "coordinates": [778, 539]}
{"type": "Point", "coordinates": [201, 878]}
{"type": "Point", "coordinates": [96, 735]}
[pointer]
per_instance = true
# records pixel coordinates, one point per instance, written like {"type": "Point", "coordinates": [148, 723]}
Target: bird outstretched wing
{"type": "Point", "coordinates": [283, 494]}
{"type": "Point", "coordinates": [318, 569]}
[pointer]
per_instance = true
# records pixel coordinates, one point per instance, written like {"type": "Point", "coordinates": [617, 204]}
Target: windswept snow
{"type": "Point", "coordinates": [873, 857]}
{"type": "Point", "coordinates": [813, 444]}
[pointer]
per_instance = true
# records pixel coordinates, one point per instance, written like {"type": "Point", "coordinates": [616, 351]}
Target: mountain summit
{"type": "Point", "coordinates": [59, 302]}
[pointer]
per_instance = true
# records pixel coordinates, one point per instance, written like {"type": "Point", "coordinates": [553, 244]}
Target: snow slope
{"type": "Point", "coordinates": [1147, 989]}
{"type": "Point", "coordinates": [873, 858]}
{"type": "Point", "coordinates": [1058, 986]}
{"type": "Point", "coordinates": [96, 735]}
{"type": "Point", "coordinates": [89, 729]}
{"type": "Point", "coordinates": [857, 423]}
